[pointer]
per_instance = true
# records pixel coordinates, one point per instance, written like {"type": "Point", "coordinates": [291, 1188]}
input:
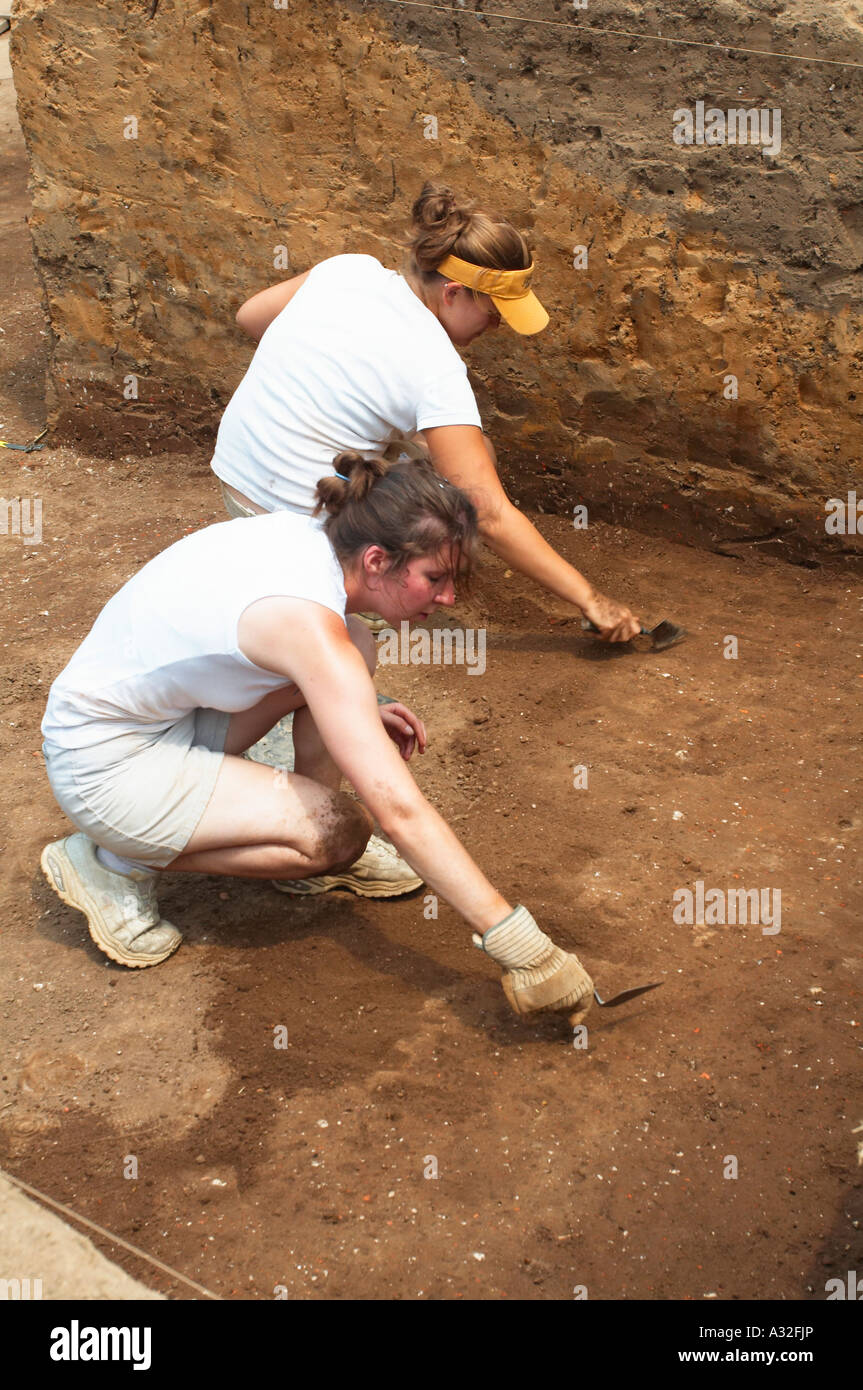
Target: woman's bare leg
{"type": "Point", "coordinates": [249, 725]}
{"type": "Point", "coordinates": [265, 822]}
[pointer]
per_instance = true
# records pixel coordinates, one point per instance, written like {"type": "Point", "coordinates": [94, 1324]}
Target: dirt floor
{"type": "Point", "coordinates": [480, 1156]}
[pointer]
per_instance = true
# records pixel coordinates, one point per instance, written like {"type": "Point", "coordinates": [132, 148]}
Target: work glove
{"type": "Point", "coordinates": [538, 975]}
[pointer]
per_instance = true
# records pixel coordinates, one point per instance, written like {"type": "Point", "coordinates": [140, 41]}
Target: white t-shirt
{"type": "Point", "coordinates": [353, 361]}
{"type": "Point", "coordinates": [166, 643]}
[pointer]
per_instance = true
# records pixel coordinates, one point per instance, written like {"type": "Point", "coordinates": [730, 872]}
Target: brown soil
{"type": "Point", "coordinates": [557, 1167]}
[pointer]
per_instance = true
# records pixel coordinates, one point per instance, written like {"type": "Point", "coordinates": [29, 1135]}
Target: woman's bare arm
{"type": "Point", "coordinates": [459, 454]}
{"type": "Point", "coordinates": [256, 315]}
{"type": "Point", "coordinates": [310, 645]}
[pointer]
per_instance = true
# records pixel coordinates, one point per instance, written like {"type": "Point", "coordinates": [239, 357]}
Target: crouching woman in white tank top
{"type": "Point", "coordinates": [208, 647]}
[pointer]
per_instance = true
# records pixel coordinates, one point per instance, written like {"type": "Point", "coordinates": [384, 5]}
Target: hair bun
{"type": "Point", "coordinates": [437, 208]}
{"type": "Point", "coordinates": [439, 219]}
{"type": "Point", "coordinates": [359, 476]}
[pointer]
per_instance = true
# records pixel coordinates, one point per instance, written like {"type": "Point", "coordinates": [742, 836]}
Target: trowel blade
{"type": "Point", "coordinates": [666, 634]}
{"type": "Point", "coordinates": [627, 994]}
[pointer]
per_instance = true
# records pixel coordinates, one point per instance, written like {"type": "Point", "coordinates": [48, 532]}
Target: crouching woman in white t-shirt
{"type": "Point", "coordinates": [202, 652]}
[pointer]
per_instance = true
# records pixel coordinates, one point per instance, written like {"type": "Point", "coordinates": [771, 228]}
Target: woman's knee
{"type": "Point", "coordinates": [344, 829]}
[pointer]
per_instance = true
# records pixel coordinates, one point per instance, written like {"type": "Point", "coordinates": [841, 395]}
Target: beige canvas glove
{"type": "Point", "coordinates": [537, 974]}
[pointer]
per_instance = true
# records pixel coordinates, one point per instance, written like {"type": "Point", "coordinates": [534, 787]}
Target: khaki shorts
{"type": "Point", "coordinates": [233, 506]}
{"type": "Point", "coordinates": [142, 795]}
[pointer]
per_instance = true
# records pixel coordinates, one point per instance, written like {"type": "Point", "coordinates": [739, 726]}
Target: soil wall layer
{"type": "Point", "coordinates": [701, 372]}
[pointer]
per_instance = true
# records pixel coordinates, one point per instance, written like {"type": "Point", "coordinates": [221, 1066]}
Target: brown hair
{"type": "Point", "coordinates": [445, 225]}
{"type": "Point", "coordinates": [405, 508]}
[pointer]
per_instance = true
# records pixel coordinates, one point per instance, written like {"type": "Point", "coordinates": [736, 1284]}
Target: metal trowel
{"type": "Point", "coordinates": [665, 634]}
{"type": "Point", "coordinates": [626, 994]}
{"type": "Point", "coordinates": [578, 1016]}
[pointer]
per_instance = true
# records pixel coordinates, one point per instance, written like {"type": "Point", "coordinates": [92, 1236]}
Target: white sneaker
{"type": "Point", "coordinates": [380, 872]}
{"type": "Point", "coordinates": [122, 912]}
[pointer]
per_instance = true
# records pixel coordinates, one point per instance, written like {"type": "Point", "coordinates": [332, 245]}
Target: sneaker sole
{"type": "Point", "coordinates": [374, 888]}
{"type": "Point", "coordinates": [373, 624]}
{"type": "Point", "coordinates": [98, 929]}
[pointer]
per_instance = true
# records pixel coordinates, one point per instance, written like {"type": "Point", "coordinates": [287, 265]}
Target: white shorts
{"type": "Point", "coordinates": [142, 795]}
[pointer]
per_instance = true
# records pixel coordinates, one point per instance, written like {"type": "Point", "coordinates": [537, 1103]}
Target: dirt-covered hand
{"type": "Point", "coordinates": [615, 621]}
{"type": "Point", "coordinates": [538, 975]}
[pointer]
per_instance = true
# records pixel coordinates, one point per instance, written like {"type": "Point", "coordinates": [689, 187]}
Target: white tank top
{"type": "Point", "coordinates": [166, 643]}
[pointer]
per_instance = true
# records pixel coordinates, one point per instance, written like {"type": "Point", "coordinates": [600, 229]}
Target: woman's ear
{"type": "Point", "coordinates": [376, 562]}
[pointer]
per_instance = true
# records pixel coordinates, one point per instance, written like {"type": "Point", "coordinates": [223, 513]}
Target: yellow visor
{"type": "Point", "coordinates": [508, 289]}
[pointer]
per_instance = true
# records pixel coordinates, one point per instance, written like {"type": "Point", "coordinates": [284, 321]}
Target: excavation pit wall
{"type": "Point", "coordinates": [700, 375]}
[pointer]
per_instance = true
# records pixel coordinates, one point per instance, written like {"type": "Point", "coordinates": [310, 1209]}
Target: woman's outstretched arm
{"type": "Point", "coordinates": [459, 453]}
{"type": "Point", "coordinates": [312, 647]}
